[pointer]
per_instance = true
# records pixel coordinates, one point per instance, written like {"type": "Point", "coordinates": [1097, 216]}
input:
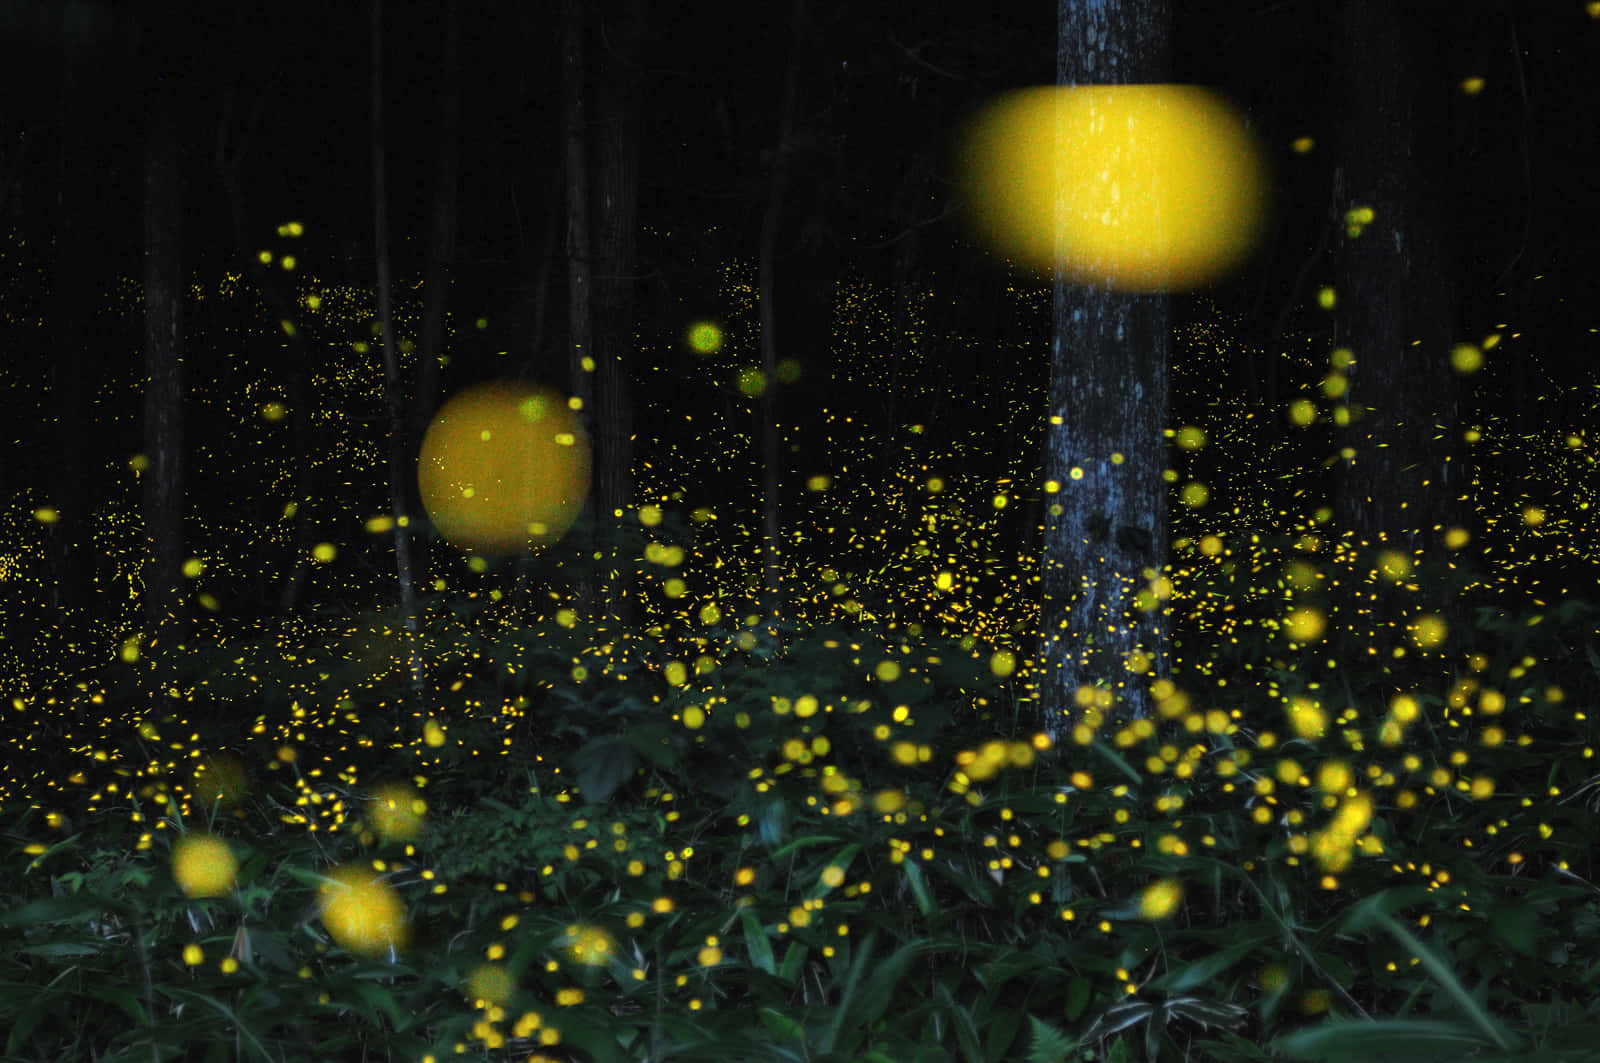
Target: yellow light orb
{"type": "Point", "coordinates": [221, 779]}
{"type": "Point", "coordinates": [491, 983]}
{"type": "Point", "coordinates": [397, 812]}
{"type": "Point", "coordinates": [705, 337]}
{"type": "Point", "coordinates": [503, 466]}
{"type": "Point", "coordinates": [203, 865]}
{"type": "Point", "coordinates": [362, 912]}
{"type": "Point", "coordinates": [1137, 187]}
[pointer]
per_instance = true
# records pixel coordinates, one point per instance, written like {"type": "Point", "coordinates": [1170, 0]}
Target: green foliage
{"type": "Point", "coordinates": [651, 838]}
{"type": "Point", "coordinates": [1360, 824]}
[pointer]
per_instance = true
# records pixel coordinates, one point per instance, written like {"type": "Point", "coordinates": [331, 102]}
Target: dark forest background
{"type": "Point", "coordinates": [765, 733]}
{"type": "Point", "coordinates": [906, 350]}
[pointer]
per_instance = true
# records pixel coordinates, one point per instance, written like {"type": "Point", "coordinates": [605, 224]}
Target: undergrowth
{"type": "Point", "coordinates": [1358, 829]}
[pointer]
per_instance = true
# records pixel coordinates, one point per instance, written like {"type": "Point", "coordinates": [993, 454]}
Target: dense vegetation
{"type": "Point", "coordinates": [1359, 828]}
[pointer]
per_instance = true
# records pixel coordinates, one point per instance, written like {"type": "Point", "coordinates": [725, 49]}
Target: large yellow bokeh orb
{"type": "Point", "coordinates": [363, 912]}
{"type": "Point", "coordinates": [203, 865]}
{"type": "Point", "coordinates": [503, 466]}
{"type": "Point", "coordinates": [1136, 187]}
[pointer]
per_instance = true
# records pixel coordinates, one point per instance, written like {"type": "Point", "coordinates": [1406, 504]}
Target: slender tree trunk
{"type": "Point", "coordinates": [1396, 299]}
{"type": "Point", "coordinates": [1105, 534]}
{"type": "Point", "coordinates": [442, 235]}
{"type": "Point", "coordinates": [615, 206]}
{"type": "Point", "coordinates": [535, 322]}
{"type": "Point", "coordinates": [72, 298]}
{"type": "Point", "coordinates": [393, 387]}
{"type": "Point", "coordinates": [539, 270]}
{"type": "Point", "coordinates": [163, 359]}
{"type": "Point", "coordinates": [766, 309]}
{"type": "Point", "coordinates": [574, 124]}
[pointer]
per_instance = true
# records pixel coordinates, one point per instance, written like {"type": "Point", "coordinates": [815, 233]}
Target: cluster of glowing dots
{"type": "Point", "coordinates": [1133, 187]}
{"type": "Point", "coordinates": [503, 466]}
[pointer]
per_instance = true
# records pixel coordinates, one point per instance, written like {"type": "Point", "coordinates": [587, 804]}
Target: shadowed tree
{"type": "Point", "coordinates": [442, 230]}
{"type": "Point", "coordinates": [399, 466]}
{"type": "Point", "coordinates": [613, 203]}
{"type": "Point", "coordinates": [1105, 529]}
{"type": "Point", "coordinates": [72, 293]}
{"type": "Point", "coordinates": [1394, 276]}
{"type": "Point", "coordinates": [163, 361]}
{"type": "Point", "coordinates": [580, 287]}
{"type": "Point", "coordinates": [766, 284]}
{"type": "Point", "coordinates": [601, 163]}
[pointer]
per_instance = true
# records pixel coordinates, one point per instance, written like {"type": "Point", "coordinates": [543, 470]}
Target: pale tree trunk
{"type": "Point", "coordinates": [163, 360]}
{"type": "Point", "coordinates": [615, 212]}
{"type": "Point", "coordinates": [393, 387]}
{"type": "Point", "coordinates": [1105, 529]}
{"type": "Point", "coordinates": [766, 309]}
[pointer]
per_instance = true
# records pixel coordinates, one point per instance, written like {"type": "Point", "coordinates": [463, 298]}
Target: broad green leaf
{"type": "Point", "coordinates": [756, 943]}
{"type": "Point", "coordinates": [1515, 926]}
{"type": "Point", "coordinates": [1079, 989]}
{"type": "Point", "coordinates": [1002, 1029]}
{"type": "Point", "coordinates": [1204, 970]}
{"type": "Point", "coordinates": [1389, 1039]}
{"type": "Point", "coordinates": [602, 765]}
{"type": "Point", "coordinates": [655, 742]}
{"type": "Point", "coordinates": [1362, 914]}
{"type": "Point", "coordinates": [782, 1025]}
{"type": "Point", "coordinates": [805, 842]}
{"type": "Point", "coordinates": [919, 887]}
{"type": "Point", "coordinates": [1490, 1027]}
{"type": "Point", "coordinates": [966, 1030]}
{"type": "Point", "coordinates": [125, 1000]}
{"type": "Point", "coordinates": [793, 959]}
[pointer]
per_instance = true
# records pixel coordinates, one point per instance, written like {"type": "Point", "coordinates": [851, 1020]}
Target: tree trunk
{"type": "Point", "coordinates": [615, 205]}
{"type": "Point", "coordinates": [766, 310]}
{"type": "Point", "coordinates": [72, 299]}
{"type": "Point", "coordinates": [581, 363]}
{"type": "Point", "coordinates": [393, 388]}
{"type": "Point", "coordinates": [442, 235]}
{"type": "Point", "coordinates": [163, 360]}
{"type": "Point", "coordinates": [1396, 299]}
{"type": "Point", "coordinates": [1105, 533]}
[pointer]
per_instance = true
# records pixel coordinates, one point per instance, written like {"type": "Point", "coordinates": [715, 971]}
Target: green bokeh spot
{"type": "Point", "coordinates": [705, 338]}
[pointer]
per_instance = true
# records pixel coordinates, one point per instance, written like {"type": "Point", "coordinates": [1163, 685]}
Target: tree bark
{"type": "Point", "coordinates": [72, 299]}
{"type": "Point", "coordinates": [442, 233]}
{"type": "Point", "coordinates": [1399, 482]}
{"type": "Point", "coordinates": [615, 206]}
{"type": "Point", "coordinates": [393, 389]}
{"type": "Point", "coordinates": [163, 359]}
{"type": "Point", "coordinates": [580, 316]}
{"type": "Point", "coordinates": [1105, 534]}
{"type": "Point", "coordinates": [766, 311]}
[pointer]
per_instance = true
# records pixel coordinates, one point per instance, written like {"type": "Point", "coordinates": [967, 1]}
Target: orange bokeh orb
{"type": "Point", "coordinates": [503, 466]}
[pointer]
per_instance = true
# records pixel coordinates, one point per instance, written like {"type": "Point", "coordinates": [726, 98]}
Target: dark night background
{"type": "Point", "coordinates": [283, 90]}
{"type": "Point", "coordinates": [797, 665]}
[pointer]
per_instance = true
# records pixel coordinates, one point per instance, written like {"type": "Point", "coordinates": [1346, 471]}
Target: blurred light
{"type": "Point", "coordinates": [1139, 187]}
{"type": "Point", "coordinates": [503, 466]}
